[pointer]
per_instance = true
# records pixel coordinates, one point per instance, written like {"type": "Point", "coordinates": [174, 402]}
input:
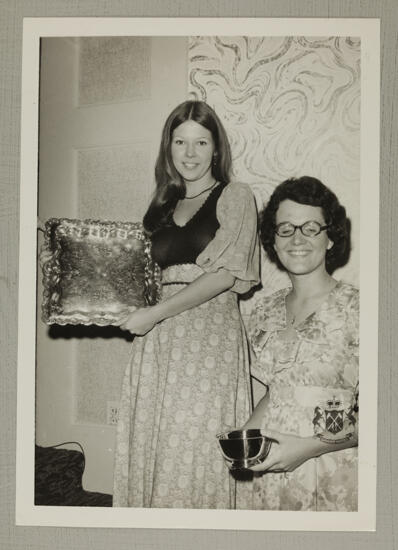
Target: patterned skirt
{"type": "Point", "coordinates": [187, 380]}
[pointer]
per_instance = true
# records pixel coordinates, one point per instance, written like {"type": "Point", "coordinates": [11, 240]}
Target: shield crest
{"type": "Point", "coordinates": [334, 416]}
{"type": "Point", "coordinates": [334, 420]}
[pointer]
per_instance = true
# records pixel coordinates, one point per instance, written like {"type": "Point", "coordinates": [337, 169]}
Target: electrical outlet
{"type": "Point", "coordinates": [112, 412]}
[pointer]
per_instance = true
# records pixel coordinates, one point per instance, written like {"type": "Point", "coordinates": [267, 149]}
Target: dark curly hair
{"type": "Point", "coordinates": [312, 192]}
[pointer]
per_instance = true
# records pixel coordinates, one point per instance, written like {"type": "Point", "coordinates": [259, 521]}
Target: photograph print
{"type": "Point", "coordinates": [203, 308]}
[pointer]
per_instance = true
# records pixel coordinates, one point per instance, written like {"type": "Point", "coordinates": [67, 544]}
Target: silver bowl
{"type": "Point", "coordinates": [244, 448]}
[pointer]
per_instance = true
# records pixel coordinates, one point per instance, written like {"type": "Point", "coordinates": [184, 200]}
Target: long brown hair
{"type": "Point", "coordinates": [170, 186]}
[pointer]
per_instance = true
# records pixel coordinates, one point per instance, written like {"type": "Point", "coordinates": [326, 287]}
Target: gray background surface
{"type": "Point", "coordinates": [11, 15]}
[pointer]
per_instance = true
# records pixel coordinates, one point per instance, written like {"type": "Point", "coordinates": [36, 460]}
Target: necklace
{"type": "Point", "coordinates": [201, 193]}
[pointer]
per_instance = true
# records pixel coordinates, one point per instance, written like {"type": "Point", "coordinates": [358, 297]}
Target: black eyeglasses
{"type": "Point", "coordinates": [308, 229]}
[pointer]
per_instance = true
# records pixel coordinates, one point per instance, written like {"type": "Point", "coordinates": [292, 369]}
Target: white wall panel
{"type": "Point", "coordinates": [113, 181]}
{"type": "Point", "coordinates": [114, 69]}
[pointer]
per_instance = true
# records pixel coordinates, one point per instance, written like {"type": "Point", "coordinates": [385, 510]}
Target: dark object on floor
{"type": "Point", "coordinates": [58, 479]}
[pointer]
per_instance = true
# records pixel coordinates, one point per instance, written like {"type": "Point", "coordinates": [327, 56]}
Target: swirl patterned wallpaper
{"type": "Point", "coordinates": [291, 107]}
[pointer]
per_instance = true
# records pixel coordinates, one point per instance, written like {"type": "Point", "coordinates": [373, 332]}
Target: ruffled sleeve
{"type": "Point", "coordinates": [257, 336]}
{"type": "Point", "coordinates": [268, 316]}
{"type": "Point", "coordinates": [235, 245]}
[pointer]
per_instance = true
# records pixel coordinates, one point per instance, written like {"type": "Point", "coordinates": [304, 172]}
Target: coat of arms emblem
{"type": "Point", "coordinates": [333, 423]}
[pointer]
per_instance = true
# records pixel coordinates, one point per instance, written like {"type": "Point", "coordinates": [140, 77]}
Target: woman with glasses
{"type": "Point", "coordinates": [305, 346]}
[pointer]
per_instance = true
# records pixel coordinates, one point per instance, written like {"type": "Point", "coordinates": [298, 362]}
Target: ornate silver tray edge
{"type": "Point", "coordinates": [51, 309]}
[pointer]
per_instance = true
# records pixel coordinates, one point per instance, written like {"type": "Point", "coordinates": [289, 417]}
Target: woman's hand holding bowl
{"type": "Point", "coordinates": [287, 452]}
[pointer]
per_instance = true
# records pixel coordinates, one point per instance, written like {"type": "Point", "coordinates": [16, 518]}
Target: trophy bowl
{"type": "Point", "coordinates": [244, 448]}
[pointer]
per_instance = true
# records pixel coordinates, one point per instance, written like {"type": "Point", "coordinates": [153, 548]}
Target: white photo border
{"type": "Point", "coordinates": [365, 518]}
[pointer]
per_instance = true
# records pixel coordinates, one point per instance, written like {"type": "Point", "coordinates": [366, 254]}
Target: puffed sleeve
{"type": "Point", "coordinates": [235, 245]}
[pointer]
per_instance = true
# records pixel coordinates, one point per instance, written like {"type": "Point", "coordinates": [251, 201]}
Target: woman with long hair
{"type": "Point", "coordinates": [188, 377]}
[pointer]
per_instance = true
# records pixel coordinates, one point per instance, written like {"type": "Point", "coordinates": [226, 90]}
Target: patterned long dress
{"type": "Point", "coordinates": [309, 375]}
{"type": "Point", "coordinates": [188, 378]}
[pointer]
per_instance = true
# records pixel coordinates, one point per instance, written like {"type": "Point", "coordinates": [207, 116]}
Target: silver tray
{"type": "Point", "coordinates": [96, 271]}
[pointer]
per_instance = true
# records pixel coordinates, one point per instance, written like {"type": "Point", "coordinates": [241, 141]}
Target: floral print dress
{"type": "Point", "coordinates": [188, 379]}
{"type": "Point", "coordinates": [311, 377]}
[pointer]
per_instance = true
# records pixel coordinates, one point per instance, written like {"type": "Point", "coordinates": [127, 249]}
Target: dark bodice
{"type": "Point", "coordinates": [174, 244]}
